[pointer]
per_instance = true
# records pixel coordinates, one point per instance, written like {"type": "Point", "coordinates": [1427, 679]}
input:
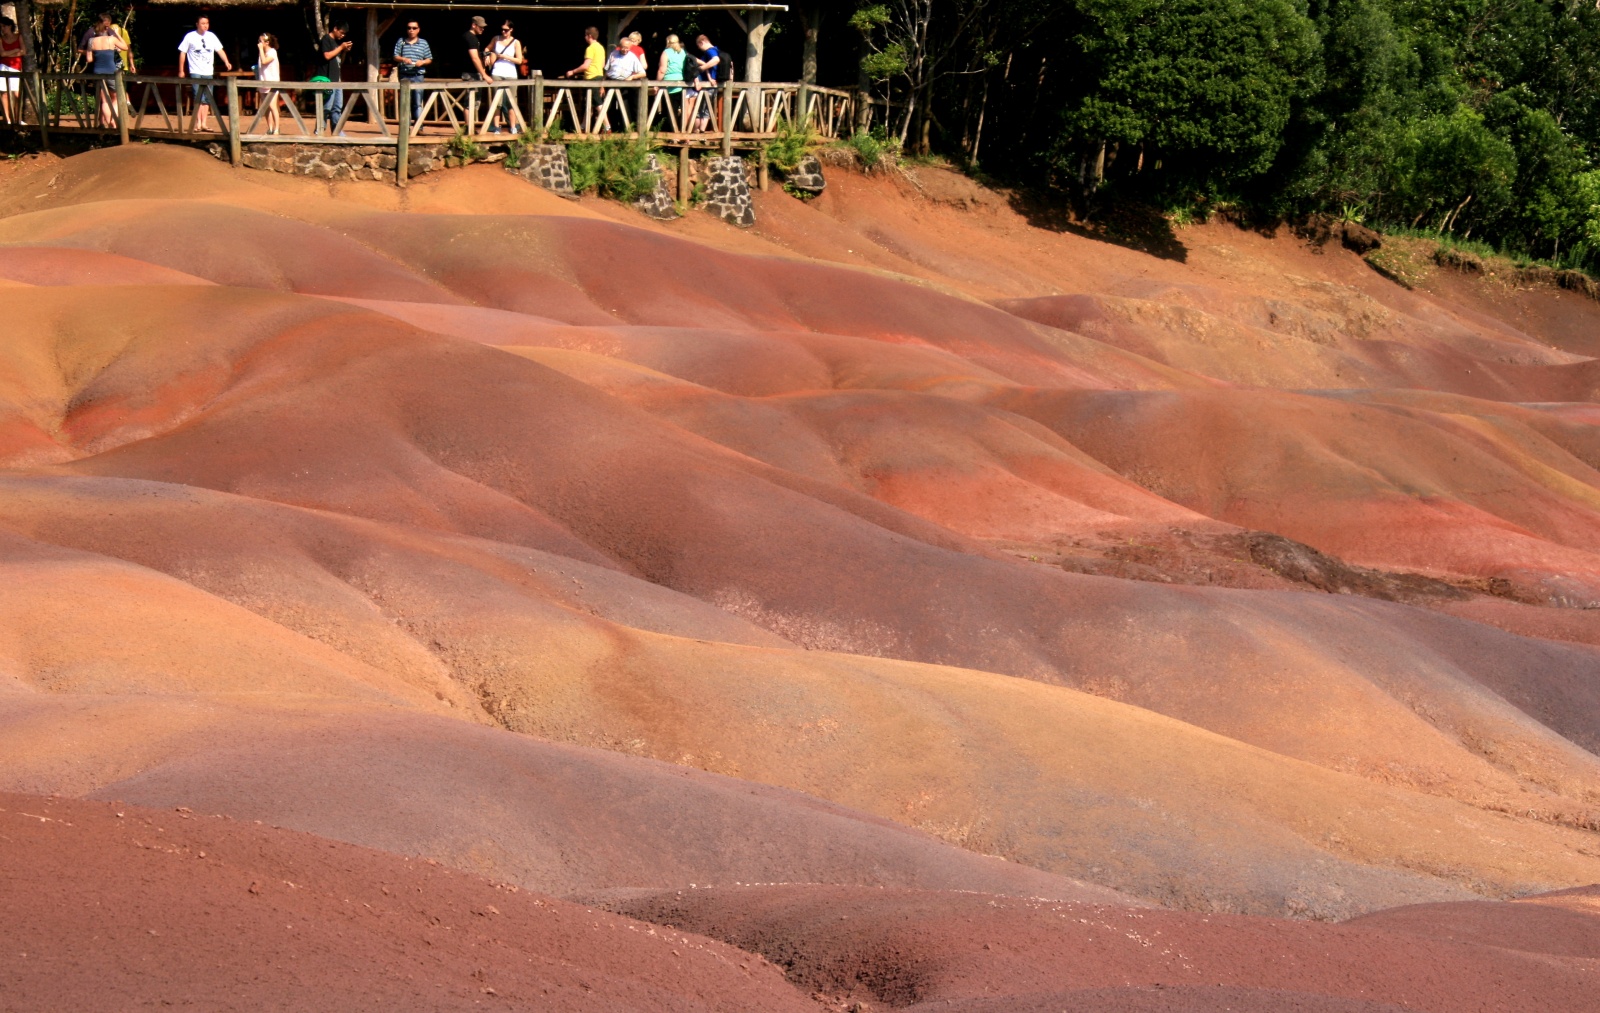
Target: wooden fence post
{"type": "Point", "coordinates": [233, 121]}
{"type": "Point", "coordinates": [402, 143]}
{"type": "Point", "coordinates": [685, 190]}
{"type": "Point", "coordinates": [802, 98]}
{"type": "Point", "coordinates": [642, 109]}
{"type": "Point", "coordinates": [727, 117]}
{"type": "Point", "coordinates": [41, 105]}
{"type": "Point", "coordinates": [122, 108]}
{"type": "Point", "coordinates": [538, 106]}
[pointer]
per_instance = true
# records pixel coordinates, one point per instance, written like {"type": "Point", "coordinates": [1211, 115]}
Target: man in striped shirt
{"type": "Point", "coordinates": [412, 55]}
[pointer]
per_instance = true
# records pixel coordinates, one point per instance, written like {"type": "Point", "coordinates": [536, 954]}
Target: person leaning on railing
{"type": "Point", "coordinates": [412, 57]}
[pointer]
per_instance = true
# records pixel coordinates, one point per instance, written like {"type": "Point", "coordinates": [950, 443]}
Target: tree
{"type": "Point", "coordinates": [1204, 88]}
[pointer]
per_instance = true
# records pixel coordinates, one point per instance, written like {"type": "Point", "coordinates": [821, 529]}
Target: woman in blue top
{"type": "Point", "coordinates": [101, 52]}
{"type": "Point", "coordinates": [673, 59]}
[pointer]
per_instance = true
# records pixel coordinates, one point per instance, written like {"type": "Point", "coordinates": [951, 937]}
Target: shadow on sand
{"type": "Point", "coordinates": [1136, 226]}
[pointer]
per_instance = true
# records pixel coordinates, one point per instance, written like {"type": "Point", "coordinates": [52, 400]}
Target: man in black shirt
{"type": "Point", "coordinates": [330, 52]}
{"type": "Point", "coordinates": [473, 71]}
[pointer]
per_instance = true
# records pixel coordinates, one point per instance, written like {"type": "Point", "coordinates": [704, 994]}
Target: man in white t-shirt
{"type": "Point", "coordinates": [624, 64]}
{"type": "Point", "coordinates": [197, 55]}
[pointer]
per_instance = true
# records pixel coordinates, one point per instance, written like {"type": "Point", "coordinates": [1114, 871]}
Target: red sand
{"type": "Point", "coordinates": [941, 951]}
{"type": "Point", "coordinates": [105, 906]}
{"type": "Point", "coordinates": [899, 501]}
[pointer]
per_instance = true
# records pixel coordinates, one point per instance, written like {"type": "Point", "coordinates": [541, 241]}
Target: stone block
{"type": "Point", "coordinates": [806, 176]}
{"type": "Point", "coordinates": [658, 203]}
{"type": "Point", "coordinates": [727, 190]}
{"type": "Point", "coordinates": [545, 165]}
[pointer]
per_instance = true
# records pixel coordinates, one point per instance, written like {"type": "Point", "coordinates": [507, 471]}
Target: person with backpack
{"type": "Point", "coordinates": [710, 65]}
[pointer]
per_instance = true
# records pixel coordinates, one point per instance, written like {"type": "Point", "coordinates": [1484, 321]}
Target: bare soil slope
{"type": "Point", "coordinates": [944, 516]}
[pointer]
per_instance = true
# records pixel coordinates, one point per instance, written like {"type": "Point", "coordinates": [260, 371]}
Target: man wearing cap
{"type": "Point", "coordinates": [475, 71]}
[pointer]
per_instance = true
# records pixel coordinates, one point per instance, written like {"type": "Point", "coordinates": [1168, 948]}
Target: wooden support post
{"type": "Point", "coordinates": [536, 121]}
{"type": "Point", "coordinates": [42, 108]}
{"type": "Point", "coordinates": [727, 118]}
{"type": "Point", "coordinates": [811, 18]}
{"type": "Point", "coordinates": [755, 25]}
{"type": "Point", "coordinates": [802, 99]}
{"type": "Point", "coordinates": [402, 141]}
{"type": "Point", "coordinates": [233, 121]}
{"type": "Point", "coordinates": [763, 172]}
{"type": "Point", "coordinates": [642, 109]}
{"type": "Point", "coordinates": [374, 62]}
{"type": "Point", "coordinates": [685, 187]}
{"type": "Point", "coordinates": [122, 108]}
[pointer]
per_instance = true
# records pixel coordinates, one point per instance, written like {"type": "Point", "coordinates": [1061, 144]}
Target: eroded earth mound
{"type": "Point", "coordinates": [938, 567]}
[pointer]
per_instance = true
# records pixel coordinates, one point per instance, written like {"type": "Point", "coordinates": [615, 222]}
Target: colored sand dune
{"type": "Point", "coordinates": [907, 605]}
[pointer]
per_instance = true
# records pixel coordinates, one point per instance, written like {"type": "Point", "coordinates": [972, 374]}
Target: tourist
{"type": "Point", "coordinates": [505, 58]}
{"type": "Point", "coordinates": [101, 56]}
{"type": "Point", "coordinates": [636, 43]}
{"type": "Point", "coordinates": [475, 70]}
{"type": "Point", "coordinates": [413, 56]}
{"type": "Point", "coordinates": [330, 68]}
{"type": "Point", "coordinates": [673, 59]}
{"type": "Point", "coordinates": [269, 68]}
{"type": "Point", "coordinates": [624, 64]}
{"type": "Point", "coordinates": [621, 65]}
{"type": "Point", "coordinates": [11, 52]}
{"type": "Point", "coordinates": [197, 54]}
{"type": "Point", "coordinates": [101, 21]}
{"type": "Point", "coordinates": [593, 66]}
{"type": "Point", "coordinates": [708, 69]}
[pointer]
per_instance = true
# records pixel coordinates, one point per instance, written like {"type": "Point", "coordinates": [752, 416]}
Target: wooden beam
{"type": "Point", "coordinates": [374, 61]}
{"type": "Point", "coordinates": [402, 138]}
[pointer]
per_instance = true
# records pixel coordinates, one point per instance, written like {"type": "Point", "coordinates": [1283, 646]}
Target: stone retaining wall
{"type": "Point", "coordinates": [338, 161]}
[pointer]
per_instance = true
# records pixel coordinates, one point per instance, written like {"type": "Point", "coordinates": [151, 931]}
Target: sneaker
{"type": "Point", "coordinates": [494, 130]}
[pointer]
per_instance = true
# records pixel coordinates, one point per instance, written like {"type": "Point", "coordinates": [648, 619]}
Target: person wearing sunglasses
{"type": "Point", "coordinates": [412, 57]}
{"type": "Point", "coordinates": [505, 58]}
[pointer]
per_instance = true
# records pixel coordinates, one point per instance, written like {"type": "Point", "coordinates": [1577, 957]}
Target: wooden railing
{"type": "Point", "coordinates": [732, 115]}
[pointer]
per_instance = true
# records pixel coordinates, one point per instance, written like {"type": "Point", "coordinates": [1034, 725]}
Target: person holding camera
{"type": "Point", "coordinates": [330, 67]}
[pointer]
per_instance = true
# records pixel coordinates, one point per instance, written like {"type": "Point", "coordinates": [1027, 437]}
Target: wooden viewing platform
{"type": "Point", "coordinates": [738, 115]}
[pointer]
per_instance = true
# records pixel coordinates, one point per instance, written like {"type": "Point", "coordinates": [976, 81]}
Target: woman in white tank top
{"type": "Point", "coordinates": [269, 69]}
{"type": "Point", "coordinates": [505, 57]}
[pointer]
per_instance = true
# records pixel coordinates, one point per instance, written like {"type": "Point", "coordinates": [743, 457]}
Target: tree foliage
{"type": "Point", "coordinates": [1474, 118]}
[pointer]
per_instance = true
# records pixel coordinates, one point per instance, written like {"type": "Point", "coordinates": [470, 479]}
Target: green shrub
{"type": "Point", "coordinates": [615, 167]}
{"type": "Point", "coordinates": [792, 143]}
{"type": "Point", "coordinates": [464, 149]}
{"type": "Point", "coordinates": [868, 148]}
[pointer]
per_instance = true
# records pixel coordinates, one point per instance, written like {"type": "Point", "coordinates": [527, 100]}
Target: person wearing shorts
{"type": "Point", "coordinates": [10, 70]}
{"type": "Point", "coordinates": [197, 55]}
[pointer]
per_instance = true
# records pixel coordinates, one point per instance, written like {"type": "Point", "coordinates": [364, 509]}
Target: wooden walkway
{"type": "Point", "coordinates": [731, 116]}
